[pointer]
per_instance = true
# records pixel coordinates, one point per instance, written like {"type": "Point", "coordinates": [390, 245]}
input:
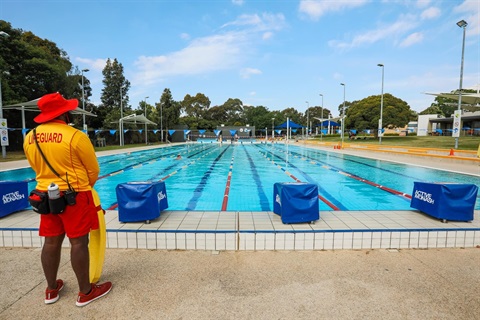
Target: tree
{"type": "Point", "coordinates": [114, 93]}
{"type": "Point", "coordinates": [293, 114]}
{"type": "Point", "coordinates": [168, 109]}
{"type": "Point", "coordinates": [216, 114]}
{"type": "Point", "coordinates": [315, 113]}
{"type": "Point", "coordinates": [195, 109]}
{"type": "Point", "coordinates": [234, 111]}
{"type": "Point", "coordinates": [278, 118]}
{"type": "Point", "coordinates": [195, 106]}
{"type": "Point", "coordinates": [197, 123]}
{"type": "Point", "coordinates": [364, 114]}
{"type": "Point", "coordinates": [259, 116]}
{"type": "Point", "coordinates": [347, 105]}
{"type": "Point", "coordinates": [433, 109]}
{"type": "Point", "coordinates": [31, 67]}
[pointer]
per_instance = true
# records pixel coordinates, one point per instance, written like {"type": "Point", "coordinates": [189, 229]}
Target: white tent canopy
{"type": "Point", "coordinates": [29, 105]}
{"type": "Point", "coordinates": [32, 106]}
{"type": "Point", "coordinates": [467, 98]}
{"type": "Point", "coordinates": [134, 119]}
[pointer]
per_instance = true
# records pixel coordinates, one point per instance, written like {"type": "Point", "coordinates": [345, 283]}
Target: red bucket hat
{"type": "Point", "coordinates": [53, 105]}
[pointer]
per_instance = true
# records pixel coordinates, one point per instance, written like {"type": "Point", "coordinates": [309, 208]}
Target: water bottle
{"type": "Point", "coordinates": [53, 191]}
{"type": "Point", "coordinates": [55, 200]}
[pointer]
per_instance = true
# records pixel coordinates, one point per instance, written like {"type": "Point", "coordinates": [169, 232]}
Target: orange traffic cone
{"type": "Point", "coordinates": [452, 153]}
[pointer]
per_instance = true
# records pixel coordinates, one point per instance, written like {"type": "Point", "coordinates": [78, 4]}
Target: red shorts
{"type": "Point", "coordinates": [76, 221]}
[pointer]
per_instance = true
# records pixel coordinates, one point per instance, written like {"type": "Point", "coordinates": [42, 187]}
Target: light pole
{"type": "Point", "coordinates": [146, 137]}
{"type": "Point", "coordinates": [3, 34]}
{"type": "Point", "coordinates": [321, 123]}
{"type": "Point", "coordinates": [121, 118]}
{"type": "Point", "coordinates": [462, 24]}
{"type": "Point", "coordinates": [308, 107]}
{"type": "Point", "coordinates": [343, 113]}
{"type": "Point", "coordinates": [161, 122]}
{"type": "Point", "coordinates": [83, 98]}
{"type": "Point", "coordinates": [380, 121]}
{"type": "Point", "coordinates": [273, 129]}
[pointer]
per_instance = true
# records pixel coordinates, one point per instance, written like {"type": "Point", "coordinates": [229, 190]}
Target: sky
{"type": "Point", "coordinates": [273, 53]}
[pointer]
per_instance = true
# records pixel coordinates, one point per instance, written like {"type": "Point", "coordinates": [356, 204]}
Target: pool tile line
{"type": "Point", "coordinates": [263, 231]}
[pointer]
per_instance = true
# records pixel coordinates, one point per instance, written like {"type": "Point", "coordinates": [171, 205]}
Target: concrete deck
{"type": "Point", "coordinates": [183, 230]}
{"type": "Point", "coordinates": [248, 265]}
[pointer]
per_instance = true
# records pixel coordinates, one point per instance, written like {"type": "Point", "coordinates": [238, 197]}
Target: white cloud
{"type": "Point", "coordinates": [209, 54]}
{"type": "Point", "coordinates": [252, 93]}
{"type": "Point", "coordinates": [467, 5]}
{"type": "Point", "coordinates": [203, 55]}
{"type": "Point", "coordinates": [267, 35]}
{"type": "Point", "coordinates": [185, 36]}
{"type": "Point", "coordinates": [238, 2]}
{"type": "Point", "coordinates": [266, 21]}
{"type": "Point", "coordinates": [247, 72]}
{"type": "Point", "coordinates": [423, 3]}
{"type": "Point", "coordinates": [412, 39]}
{"type": "Point", "coordinates": [430, 13]}
{"type": "Point", "coordinates": [470, 11]}
{"type": "Point", "coordinates": [337, 76]}
{"type": "Point", "coordinates": [314, 9]}
{"type": "Point", "coordinates": [401, 26]}
{"type": "Point", "coordinates": [96, 65]}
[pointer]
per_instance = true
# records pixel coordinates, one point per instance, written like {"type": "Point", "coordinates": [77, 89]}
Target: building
{"type": "Point", "coordinates": [433, 124]}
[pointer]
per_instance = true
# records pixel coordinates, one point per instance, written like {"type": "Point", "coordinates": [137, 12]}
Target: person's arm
{"type": "Point", "coordinates": [88, 157]}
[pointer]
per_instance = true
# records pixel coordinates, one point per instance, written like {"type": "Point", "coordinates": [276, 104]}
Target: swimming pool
{"type": "Point", "coordinates": [240, 177]}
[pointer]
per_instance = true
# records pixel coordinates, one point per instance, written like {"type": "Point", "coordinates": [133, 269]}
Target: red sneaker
{"type": "Point", "coordinates": [98, 291]}
{"type": "Point", "coordinates": [51, 296]}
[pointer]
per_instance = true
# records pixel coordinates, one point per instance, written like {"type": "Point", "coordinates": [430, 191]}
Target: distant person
{"type": "Point", "coordinates": [179, 157]}
{"type": "Point", "coordinates": [71, 155]}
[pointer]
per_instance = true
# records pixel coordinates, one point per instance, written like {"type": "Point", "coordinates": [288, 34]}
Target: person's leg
{"type": "Point", "coordinates": [50, 257]}
{"type": "Point", "coordinates": [80, 257]}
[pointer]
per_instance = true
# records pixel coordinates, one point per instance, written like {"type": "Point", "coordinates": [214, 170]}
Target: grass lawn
{"type": "Point", "coordinates": [465, 143]}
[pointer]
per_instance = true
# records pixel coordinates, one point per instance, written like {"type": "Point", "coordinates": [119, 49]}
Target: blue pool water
{"type": "Point", "coordinates": [198, 182]}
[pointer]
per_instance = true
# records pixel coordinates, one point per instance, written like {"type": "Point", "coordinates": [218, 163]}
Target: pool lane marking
{"type": "Point", "coordinates": [358, 178]}
{"type": "Point", "coordinates": [374, 184]}
{"type": "Point", "coordinates": [323, 199]}
{"type": "Point", "coordinates": [201, 185]}
{"type": "Point", "coordinates": [137, 165]}
{"type": "Point", "coordinates": [348, 158]}
{"type": "Point", "coordinates": [192, 161]}
{"type": "Point", "coordinates": [264, 202]}
{"type": "Point", "coordinates": [213, 149]}
{"type": "Point", "coordinates": [227, 186]}
{"type": "Point", "coordinates": [115, 204]}
{"type": "Point", "coordinates": [393, 191]}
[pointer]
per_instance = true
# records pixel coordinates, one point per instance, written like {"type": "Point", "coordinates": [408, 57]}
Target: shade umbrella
{"type": "Point", "coordinates": [467, 98]}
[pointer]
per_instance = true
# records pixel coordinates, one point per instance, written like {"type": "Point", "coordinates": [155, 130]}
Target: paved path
{"type": "Point", "coordinates": [431, 161]}
{"type": "Point", "coordinates": [373, 284]}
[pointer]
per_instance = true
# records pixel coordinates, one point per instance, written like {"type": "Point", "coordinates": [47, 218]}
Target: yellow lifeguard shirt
{"type": "Point", "coordinates": [68, 150]}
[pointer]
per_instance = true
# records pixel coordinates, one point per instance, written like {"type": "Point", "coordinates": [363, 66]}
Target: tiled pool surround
{"type": "Point", "coordinates": [220, 230]}
{"type": "Point", "coordinates": [336, 230]}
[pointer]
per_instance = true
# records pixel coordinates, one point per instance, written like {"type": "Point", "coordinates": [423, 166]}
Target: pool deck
{"type": "Point", "coordinates": [226, 230]}
{"type": "Point", "coordinates": [309, 282]}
